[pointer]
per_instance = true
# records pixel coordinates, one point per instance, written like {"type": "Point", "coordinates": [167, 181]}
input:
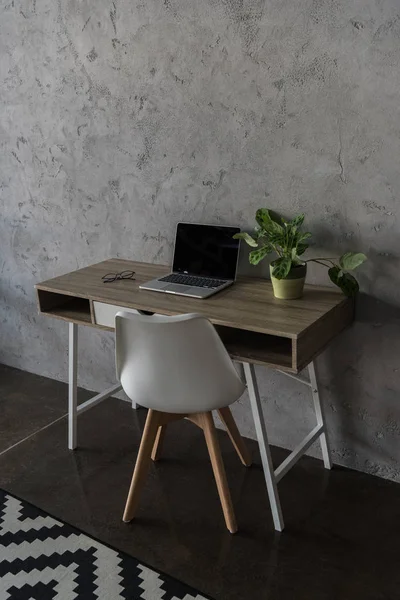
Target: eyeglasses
{"type": "Point", "coordinates": [110, 277]}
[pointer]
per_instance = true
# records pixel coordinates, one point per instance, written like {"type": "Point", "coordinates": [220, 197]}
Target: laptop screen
{"type": "Point", "coordinates": [206, 250]}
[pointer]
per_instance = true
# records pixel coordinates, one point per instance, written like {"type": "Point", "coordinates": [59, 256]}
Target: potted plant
{"type": "Point", "coordinates": [289, 269]}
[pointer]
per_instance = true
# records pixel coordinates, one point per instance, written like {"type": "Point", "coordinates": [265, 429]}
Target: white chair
{"type": "Point", "coordinates": [178, 367]}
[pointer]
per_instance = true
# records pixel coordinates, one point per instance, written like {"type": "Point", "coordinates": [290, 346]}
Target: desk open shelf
{"type": "Point", "coordinates": [258, 348]}
{"type": "Point", "coordinates": [65, 307]}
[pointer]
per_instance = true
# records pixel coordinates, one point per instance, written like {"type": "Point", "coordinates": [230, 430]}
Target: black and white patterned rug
{"type": "Point", "coordinates": [42, 558]}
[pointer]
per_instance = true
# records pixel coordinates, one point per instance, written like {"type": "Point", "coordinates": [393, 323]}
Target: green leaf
{"type": "Point", "coordinates": [282, 267]}
{"type": "Point", "coordinates": [298, 221]}
{"type": "Point", "coordinates": [247, 238]}
{"type": "Point", "coordinates": [349, 285]}
{"type": "Point", "coordinates": [301, 248]}
{"type": "Point", "coordinates": [334, 275]}
{"type": "Point", "coordinates": [265, 221]}
{"type": "Point", "coordinates": [352, 260]}
{"type": "Point", "coordinates": [297, 260]}
{"type": "Point", "coordinates": [263, 217]}
{"type": "Point", "coordinates": [277, 238]}
{"type": "Point", "coordinates": [346, 282]}
{"type": "Point", "coordinates": [256, 256]}
{"type": "Point", "coordinates": [304, 236]}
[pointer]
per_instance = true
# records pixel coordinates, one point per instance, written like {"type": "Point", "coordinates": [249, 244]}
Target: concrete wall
{"type": "Point", "coordinates": [119, 118]}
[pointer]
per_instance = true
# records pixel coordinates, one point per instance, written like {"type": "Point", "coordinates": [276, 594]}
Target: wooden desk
{"type": "Point", "coordinates": [255, 327]}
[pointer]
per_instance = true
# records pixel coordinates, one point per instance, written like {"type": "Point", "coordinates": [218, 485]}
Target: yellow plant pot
{"type": "Point", "coordinates": [292, 286]}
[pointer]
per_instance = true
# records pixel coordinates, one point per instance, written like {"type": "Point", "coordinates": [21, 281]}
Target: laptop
{"type": "Point", "coordinates": [205, 261]}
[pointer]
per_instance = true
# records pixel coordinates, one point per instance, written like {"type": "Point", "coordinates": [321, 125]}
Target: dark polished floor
{"type": "Point", "coordinates": [342, 539]}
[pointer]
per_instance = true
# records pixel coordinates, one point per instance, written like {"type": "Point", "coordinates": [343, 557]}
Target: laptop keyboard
{"type": "Point", "coordinates": [203, 282]}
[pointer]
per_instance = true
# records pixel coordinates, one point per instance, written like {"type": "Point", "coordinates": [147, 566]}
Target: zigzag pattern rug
{"type": "Point", "coordinates": [44, 559]}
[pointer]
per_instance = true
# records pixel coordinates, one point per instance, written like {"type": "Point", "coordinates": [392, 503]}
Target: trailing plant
{"type": "Point", "coordinates": [289, 242]}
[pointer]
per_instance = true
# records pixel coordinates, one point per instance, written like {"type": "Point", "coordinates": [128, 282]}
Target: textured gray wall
{"type": "Point", "coordinates": [119, 118]}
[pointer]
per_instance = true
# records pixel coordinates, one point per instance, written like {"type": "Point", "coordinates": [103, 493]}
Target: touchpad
{"type": "Point", "coordinates": [177, 288]}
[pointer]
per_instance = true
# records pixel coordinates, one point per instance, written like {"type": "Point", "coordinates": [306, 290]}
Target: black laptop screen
{"type": "Point", "coordinates": [206, 250]}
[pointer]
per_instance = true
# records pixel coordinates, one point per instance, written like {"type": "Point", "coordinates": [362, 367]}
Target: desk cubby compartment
{"type": "Point", "coordinates": [64, 306]}
{"type": "Point", "coordinates": [258, 348]}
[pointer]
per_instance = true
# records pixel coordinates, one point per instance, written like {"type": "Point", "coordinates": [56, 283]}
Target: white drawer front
{"type": "Point", "coordinates": [104, 314]}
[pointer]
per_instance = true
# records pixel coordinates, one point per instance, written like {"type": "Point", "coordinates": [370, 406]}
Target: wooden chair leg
{"type": "Point", "coordinates": [158, 444]}
{"type": "Point", "coordinates": [207, 424]}
{"type": "Point", "coordinates": [233, 432]}
{"type": "Point", "coordinates": [142, 463]}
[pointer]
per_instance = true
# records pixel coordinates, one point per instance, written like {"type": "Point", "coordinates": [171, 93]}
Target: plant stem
{"type": "Point", "coordinates": [319, 262]}
{"type": "Point", "coordinates": [330, 258]}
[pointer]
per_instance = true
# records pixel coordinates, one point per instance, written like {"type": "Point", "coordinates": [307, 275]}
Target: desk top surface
{"type": "Point", "coordinates": [249, 304]}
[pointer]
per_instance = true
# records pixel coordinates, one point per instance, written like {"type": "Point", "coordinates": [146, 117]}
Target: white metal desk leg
{"type": "Point", "coordinates": [72, 385]}
{"type": "Point", "coordinates": [319, 411]}
{"type": "Point", "coordinates": [240, 370]}
{"type": "Point", "coordinates": [264, 446]}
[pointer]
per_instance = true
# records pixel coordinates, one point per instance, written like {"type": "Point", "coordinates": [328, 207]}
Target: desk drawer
{"type": "Point", "coordinates": [104, 314]}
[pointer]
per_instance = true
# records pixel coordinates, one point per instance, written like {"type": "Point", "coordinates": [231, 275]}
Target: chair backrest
{"type": "Point", "coordinates": [174, 364]}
